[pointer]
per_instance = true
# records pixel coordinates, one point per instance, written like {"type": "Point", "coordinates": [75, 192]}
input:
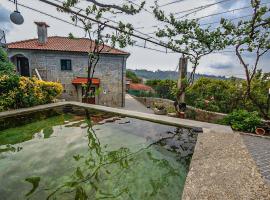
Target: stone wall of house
{"type": "Point", "coordinates": [191, 112]}
{"type": "Point", "coordinates": [110, 70]}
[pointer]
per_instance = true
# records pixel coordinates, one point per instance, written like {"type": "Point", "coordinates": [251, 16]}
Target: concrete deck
{"type": "Point", "coordinates": [221, 167]}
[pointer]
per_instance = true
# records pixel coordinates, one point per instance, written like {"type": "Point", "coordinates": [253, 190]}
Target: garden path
{"type": "Point", "coordinates": [134, 105]}
{"type": "Point", "coordinates": [259, 148]}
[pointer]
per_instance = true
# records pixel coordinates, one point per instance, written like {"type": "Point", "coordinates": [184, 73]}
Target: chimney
{"type": "Point", "coordinates": [42, 32]}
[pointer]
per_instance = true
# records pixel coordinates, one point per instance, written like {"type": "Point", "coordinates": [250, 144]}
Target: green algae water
{"type": "Point", "coordinates": [67, 156]}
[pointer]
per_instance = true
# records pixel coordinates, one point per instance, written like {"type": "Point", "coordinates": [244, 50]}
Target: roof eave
{"type": "Point", "coordinates": [104, 53]}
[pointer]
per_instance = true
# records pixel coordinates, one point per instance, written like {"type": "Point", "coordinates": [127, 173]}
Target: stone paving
{"type": "Point", "coordinates": [259, 148]}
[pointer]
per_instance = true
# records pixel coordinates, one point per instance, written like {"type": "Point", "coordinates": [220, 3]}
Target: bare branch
{"type": "Point", "coordinates": [128, 10]}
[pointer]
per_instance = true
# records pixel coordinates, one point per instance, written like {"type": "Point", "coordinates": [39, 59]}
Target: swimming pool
{"type": "Point", "coordinates": [56, 155]}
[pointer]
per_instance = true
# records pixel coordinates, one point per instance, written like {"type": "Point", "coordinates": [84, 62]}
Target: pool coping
{"type": "Point", "coordinates": [221, 167]}
{"type": "Point", "coordinates": [134, 114]}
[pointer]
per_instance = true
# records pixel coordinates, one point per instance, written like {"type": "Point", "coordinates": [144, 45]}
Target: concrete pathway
{"type": "Point", "coordinates": [134, 105]}
{"type": "Point", "coordinates": [259, 148]}
{"type": "Point", "coordinates": [223, 169]}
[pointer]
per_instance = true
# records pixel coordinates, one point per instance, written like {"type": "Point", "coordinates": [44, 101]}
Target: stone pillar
{"type": "Point", "coordinates": [182, 75]}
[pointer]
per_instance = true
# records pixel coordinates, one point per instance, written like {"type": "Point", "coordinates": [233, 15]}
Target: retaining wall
{"type": "Point", "coordinates": [191, 112]}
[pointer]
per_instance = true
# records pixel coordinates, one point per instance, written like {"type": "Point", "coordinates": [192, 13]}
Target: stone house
{"type": "Point", "coordinates": [65, 60]}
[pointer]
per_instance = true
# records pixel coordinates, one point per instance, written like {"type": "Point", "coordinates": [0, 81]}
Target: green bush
{"type": "Point", "coordinates": [215, 95]}
{"type": "Point", "coordinates": [21, 92]}
{"type": "Point", "coordinates": [222, 96]}
{"type": "Point", "coordinates": [6, 67]}
{"type": "Point", "coordinates": [242, 120]}
{"type": "Point", "coordinates": [164, 88]}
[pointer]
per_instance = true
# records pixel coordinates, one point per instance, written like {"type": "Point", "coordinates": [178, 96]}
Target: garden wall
{"type": "Point", "coordinates": [191, 112]}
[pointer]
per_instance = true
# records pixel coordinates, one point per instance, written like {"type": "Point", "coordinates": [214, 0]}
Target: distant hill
{"type": "Point", "coordinates": [173, 75]}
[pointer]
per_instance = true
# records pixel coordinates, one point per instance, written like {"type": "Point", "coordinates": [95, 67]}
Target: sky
{"type": "Point", "coordinates": [225, 63]}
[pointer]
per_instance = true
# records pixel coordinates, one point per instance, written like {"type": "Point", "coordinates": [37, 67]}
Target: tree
{"type": "Point", "coordinates": [95, 31]}
{"type": "Point", "coordinates": [260, 99]}
{"type": "Point", "coordinates": [71, 36]}
{"type": "Point", "coordinates": [6, 67]}
{"type": "Point", "coordinates": [253, 36]}
{"type": "Point", "coordinates": [131, 75]}
{"type": "Point", "coordinates": [188, 37]}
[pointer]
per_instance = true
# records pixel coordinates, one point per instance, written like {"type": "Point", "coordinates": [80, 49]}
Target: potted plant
{"type": "Point", "coordinates": [159, 109]}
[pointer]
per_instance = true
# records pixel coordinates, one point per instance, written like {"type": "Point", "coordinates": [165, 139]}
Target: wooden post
{"type": "Point", "coordinates": [182, 75]}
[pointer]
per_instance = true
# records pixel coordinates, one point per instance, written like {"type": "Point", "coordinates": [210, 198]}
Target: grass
{"type": "Point", "coordinates": [26, 132]}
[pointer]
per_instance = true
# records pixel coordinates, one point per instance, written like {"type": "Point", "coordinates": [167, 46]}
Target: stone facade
{"type": "Point", "coordinates": [110, 70]}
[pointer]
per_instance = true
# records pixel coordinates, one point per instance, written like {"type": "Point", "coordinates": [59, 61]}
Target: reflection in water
{"type": "Point", "coordinates": [145, 170]}
{"type": "Point", "coordinates": [100, 166]}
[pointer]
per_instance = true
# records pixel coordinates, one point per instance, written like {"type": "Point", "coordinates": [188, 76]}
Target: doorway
{"type": "Point", "coordinates": [23, 66]}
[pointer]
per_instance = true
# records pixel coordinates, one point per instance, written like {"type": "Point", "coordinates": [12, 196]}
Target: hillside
{"type": "Point", "coordinates": [173, 75]}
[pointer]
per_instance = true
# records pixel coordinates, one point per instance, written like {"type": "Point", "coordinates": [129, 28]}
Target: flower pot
{"type": "Point", "coordinates": [89, 100]}
{"type": "Point", "coordinates": [181, 115]}
{"type": "Point", "coordinates": [260, 131]}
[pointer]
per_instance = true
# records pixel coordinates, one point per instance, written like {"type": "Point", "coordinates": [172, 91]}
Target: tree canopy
{"type": "Point", "coordinates": [251, 36]}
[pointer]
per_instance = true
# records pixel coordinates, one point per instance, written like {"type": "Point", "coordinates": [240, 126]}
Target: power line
{"type": "Point", "coordinates": [170, 3]}
{"type": "Point", "coordinates": [202, 7]}
{"type": "Point", "coordinates": [216, 22]}
{"type": "Point", "coordinates": [65, 21]}
{"type": "Point", "coordinates": [115, 22]}
{"type": "Point", "coordinates": [232, 19]}
{"type": "Point", "coordinates": [215, 14]}
{"type": "Point", "coordinates": [228, 11]}
{"type": "Point", "coordinates": [149, 48]}
{"type": "Point", "coordinates": [111, 26]}
{"type": "Point", "coordinates": [196, 9]}
{"type": "Point", "coordinates": [44, 13]}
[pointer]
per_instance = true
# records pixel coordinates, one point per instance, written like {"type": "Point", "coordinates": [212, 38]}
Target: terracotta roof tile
{"type": "Point", "coordinates": [137, 86]}
{"type": "Point", "coordinates": [57, 43]}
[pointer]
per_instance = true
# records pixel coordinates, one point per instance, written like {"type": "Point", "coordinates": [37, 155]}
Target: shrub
{"type": "Point", "coordinates": [20, 92]}
{"type": "Point", "coordinates": [242, 120]}
{"type": "Point", "coordinates": [215, 95]}
{"type": "Point", "coordinates": [6, 67]}
{"type": "Point", "coordinates": [159, 106]}
{"type": "Point", "coordinates": [164, 88]}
